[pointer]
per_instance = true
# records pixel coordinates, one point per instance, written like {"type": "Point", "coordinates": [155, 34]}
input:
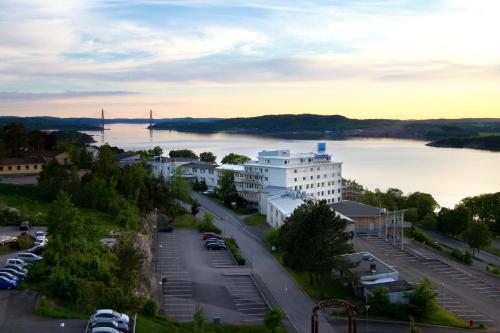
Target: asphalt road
{"type": "Point", "coordinates": [451, 242]}
{"type": "Point", "coordinates": [283, 289]}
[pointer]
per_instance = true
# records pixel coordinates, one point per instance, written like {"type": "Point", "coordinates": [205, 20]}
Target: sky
{"type": "Point", "coordinates": [406, 59]}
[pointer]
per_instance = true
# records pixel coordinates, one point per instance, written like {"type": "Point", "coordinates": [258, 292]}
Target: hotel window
{"type": "Point", "coordinates": [307, 186]}
{"type": "Point", "coordinates": [303, 178]}
{"type": "Point", "coordinates": [318, 176]}
{"type": "Point", "coordinates": [312, 177]}
{"type": "Point", "coordinates": [311, 169]}
{"type": "Point", "coordinates": [266, 170]}
{"type": "Point", "coordinates": [286, 161]}
{"type": "Point", "coordinates": [27, 167]}
{"type": "Point", "coordinates": [312, 185]}
{"type": "Point", "coordinates": [18, 167]}
{"type": "Point", "coordinates": [338, 190]}
{"type": "Point", "coordinates": [295, 179]}
{"type": "Point", "coordinates": [325, 175]}
{"type": "Point", "coordinates": [10, 168]}
{"type": "Point", "coordinates": [1, 168]}
{"type": "Point", "coordinates": [295, 171]}
{"type": "Point", "coordinates": [265, 178]}
{"type": "Point", "coordinates": [317, 169]}
{"type": "Point", "coordinates": [295, 188]}
{"type": "Point", "coordinates": [318, 185]}
{"type": "Point", "coordinates": [300, 187]}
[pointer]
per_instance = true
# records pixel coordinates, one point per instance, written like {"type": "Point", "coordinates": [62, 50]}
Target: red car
{"type": "Point", "coordinates": [208, 235]}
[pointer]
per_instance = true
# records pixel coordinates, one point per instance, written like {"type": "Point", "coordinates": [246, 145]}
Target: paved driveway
{"type": "Point", "coordinates": [16, 316]}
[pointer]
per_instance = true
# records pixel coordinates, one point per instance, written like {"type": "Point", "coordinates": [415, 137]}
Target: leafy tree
{"type": "Point", "coordinates": [411, 215]}
{"type": "Point", "coordinates": [313, 239]}
{"type": "Point", "coordinates": [233, 158]}
{"type": "Point", "coordinates": [179, 187]}
{"type": "Point", "coordinates": [429, 221]}
{"type": "Point", "coordinates": [453, 221]}
{"type": "Point", "coordinates": [187, 153]}
{"type": "Point", "coordinates": [273, 319]}
{"type": "Point", "coordinates": [128, 215]}
{"type": "Point", "coordinates": [54, 178]}
{"type": "Point", "coordinates": [208, 157]}
{"type": "Point", "coordinates": [423, 202]}
{"type": "Point", "coordinates": [15, 140]}
{"type": "Point", "coordinates": [106, 164]}
{"type": "Point", "coordinates": [64, 222]}
{"type": "Point", "coordinates": [129, 263]}
{"type": "Point", "coordinates": [379, 303]}
{"type": "Point", "coordinates": [422, 300]}
{"type": "Point", "coordinates": [486, 208]}
{"type": "Point", "coordinates": [227, 188]}
{"type": "Point", "coordinates": [195, 208]}
{"type": "Point", "coordinates": [477, 236]}
{"type": "Point", "coordinates": [199, 320]}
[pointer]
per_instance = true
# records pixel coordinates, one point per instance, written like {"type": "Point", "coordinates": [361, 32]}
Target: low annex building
{"type": "Point", "coordinates": [32, 165]}
{"type": "Point", "coordinates": [368, 219]}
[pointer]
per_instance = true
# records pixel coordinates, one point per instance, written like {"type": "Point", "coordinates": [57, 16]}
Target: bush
{"type": "Point", "coordinates": [274, 319]}
{"type": "Point", "coordinates": [234, 248]}
{"type": "Point", "coordinates": [464, 257]}
{"type": "Point", "coordinates": [422, 237]}
{"type": "Point", "coordinates": [206, 224]}
{"type": "Point", "coordinates": [150, 308]}
{"type": "Point", "coordinates": [272, 237]}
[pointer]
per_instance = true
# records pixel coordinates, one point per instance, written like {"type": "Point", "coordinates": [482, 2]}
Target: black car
{"type": "Point", "coordinates": [215, 246]}
{"type": "Point", "coordinates": [166, 228]}
{"type": "Point", "coordinates": [25, 225]}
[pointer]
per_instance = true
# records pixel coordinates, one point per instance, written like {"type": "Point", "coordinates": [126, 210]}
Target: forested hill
{"type": "Point", "coordinates": [335, 126]}
{"type": "Point", "coordinates": [490, 142]}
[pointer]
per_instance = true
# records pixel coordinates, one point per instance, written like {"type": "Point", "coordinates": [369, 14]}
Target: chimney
{"type": "Point", "coordinates": [373, 268]}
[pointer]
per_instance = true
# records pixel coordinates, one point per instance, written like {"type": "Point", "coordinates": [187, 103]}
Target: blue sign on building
{"type": "Point", "coordinates": [321, 147]}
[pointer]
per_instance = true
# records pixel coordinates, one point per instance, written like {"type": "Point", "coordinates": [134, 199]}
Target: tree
{"type": "Point", "coordinates": [313, 239]}
{"type": "Point", "coordinates": [129, 263]}
{"type": "Point", "coordinates": [379, 303]}
{"type": "Point", "coordinates": [227, 188]}
{"type": "Point", "coordinates": [179, 187]}
{"type": "Point", "coordinates": [413, 326]}
{"type": "Point", "coordinates": [273, 319]}
{"type": "Point", "coordinates": [54, 178]}
{"type": "Point", "coordinates": [15, 140]}
{"type": "Point", "coordinates": [64, 222]}
{"type": "Point", "coordinates": [106, 164]}
{"type": "Point", "coordinates": [186, 153]}
{"type": "Point", "coordinates": [453, 221]}
{"type": "Point", "coordinates": [208, 157]}
{"type": "Point", "coordinates": [233, 158]}
{"type": "Point", "coordinates": [422, 300]}
{"type": "Point", "coordinates": [199, 320]}
{"type": "Point", "coordinates": [423, 202]}
{"type": "Point", "coordinates": [195, 208]}
{"type": "Point", "coordinates": [486, 208]}
{"type": "Point", "coordinates": [477, 236]}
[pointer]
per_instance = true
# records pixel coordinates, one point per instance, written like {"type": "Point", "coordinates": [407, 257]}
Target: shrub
{"type": "Point", "coordinates": [272, 237]}
{"type": "Point", "coordinates": [422, 237]}
{"type": "Point", "coordinates": [150, 308]}
{"type": "Point", "coordinates": [273, 319]}
{"type": "Point", "coordinates": [234, 248]}
{"type": "Point", "coordinates": [464, 257]}
{"type": "Point", "coordinates": [206, 224]}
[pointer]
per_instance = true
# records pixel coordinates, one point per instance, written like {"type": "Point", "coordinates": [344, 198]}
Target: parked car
{"type": "Point", "coordinates": [215, 241]}
{"type": "Point", "coordinates": [9, 276]}
{"type": "Point", "coordinates": [166, 228]}
{"type": "Point", "coordinates": [25, 225]}
{"type": "Point", "coordinates": [28, 257]}
{"type": "Point", "coordinates": [19, 262]}
{"type": "Point", "coordinates": [41, 242]}
{"type": "Point", "coordinates": [110, 314]}
{"type": "Point", "coordinates": [16, 267]}
{"type": "Point", "coordinates": [40, 235]}
{"type": "Point", "coordinates": [13, 272]}
{"type": "Point", "coordinates": [215, 246]}
{"type": "Point", "coordinates": [4, 240]}
{"type": "Point", "coordinates": [104, 330]}
{"type": "Point", "coordinates": [6, 283]}
{"type": "Point", "coordinates": [208, 192]}
{"type": "Point", "coordinates": [207, 235]}
{"type": "Point", "coordinates": [37, 249]}
{"type": "Point", "coordinates": [119, 326]}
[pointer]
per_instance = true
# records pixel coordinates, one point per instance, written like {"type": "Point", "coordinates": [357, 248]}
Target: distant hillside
{"type": "Point", "coordinates": [89, 124]}
{"type": "Point", "coordinates": [309, 126]}
{"type": "Point", "coordinates": [490, 142]}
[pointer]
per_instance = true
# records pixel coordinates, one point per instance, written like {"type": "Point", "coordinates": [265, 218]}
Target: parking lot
{"type": "Point", "coordinates": [453, 284]}
{"type": "Point", "coordinates": [246, 296]}
{"type": "Point", "coordinates": [193, 275]}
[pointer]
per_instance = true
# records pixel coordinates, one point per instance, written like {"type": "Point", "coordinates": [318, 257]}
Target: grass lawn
{"type": "Point", "coordinates": [333, 287]}
{"type": "Point", "coordinates": [24, 198]}
{"type": "Point", "coordinates": [255, 219]}
{"type": "Point", "coordinates": [441, 316]}
{"type": "Point", "coordinates": [163, 325]}
{"type": "Point", "coordinates": [493, 249]}
{"type": "Point", "coordinates": [186, 221]}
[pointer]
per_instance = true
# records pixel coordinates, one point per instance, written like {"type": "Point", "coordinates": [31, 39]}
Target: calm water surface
{"type": "Point", "coordinates": [448, 174]}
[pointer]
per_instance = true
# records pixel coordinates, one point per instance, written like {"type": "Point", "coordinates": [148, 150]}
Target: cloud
{"type": "Point", "coordinates": [27, 96]}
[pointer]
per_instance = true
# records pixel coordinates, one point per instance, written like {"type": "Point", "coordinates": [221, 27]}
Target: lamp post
{"type": "Point", "coordinates": [367, 307]}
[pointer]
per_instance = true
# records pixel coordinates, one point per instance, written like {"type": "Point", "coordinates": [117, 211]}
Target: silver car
{"type": "Point", "coordinates": [28, 257]}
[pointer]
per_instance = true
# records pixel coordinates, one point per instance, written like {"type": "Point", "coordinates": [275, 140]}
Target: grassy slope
{"type": "Point", "coordinates": [255, 219]}
{"type": "Point", "coordinates": [24, 199]}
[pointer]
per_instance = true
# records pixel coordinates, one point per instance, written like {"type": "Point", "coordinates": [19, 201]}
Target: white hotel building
{"type": "Point", "coordinates": [313, 174]}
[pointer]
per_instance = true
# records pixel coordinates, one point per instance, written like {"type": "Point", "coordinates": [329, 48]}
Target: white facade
{"type": "Point", "coordinates": [312, 173]}
{"type": "Point", "coordinates": [200, 171]}
{"type": "Point", "coordinates": [166, 166]}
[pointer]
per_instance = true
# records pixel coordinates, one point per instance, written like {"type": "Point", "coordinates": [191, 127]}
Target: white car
{"type": "Point", "coordinates": [40, 236]}
{"type": "Point", "coordinates": [18, 262]}
{"type": "Point", "coordinates": [110, 314]}
{"type": "Point", "coordinates": [104, 330]}
{"type": "Point", "coordinates": [28, 257]}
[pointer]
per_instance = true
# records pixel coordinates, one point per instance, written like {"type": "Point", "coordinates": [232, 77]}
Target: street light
{"type": "Point", "coordinates": [367, 307]}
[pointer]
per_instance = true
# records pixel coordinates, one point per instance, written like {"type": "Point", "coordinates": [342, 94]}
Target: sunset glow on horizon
{"type": "Point", "coordinates": [400, 59]}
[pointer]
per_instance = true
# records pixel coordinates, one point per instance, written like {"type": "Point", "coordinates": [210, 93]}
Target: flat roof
{"type": "Point", "coordinates": [21, 161]}
{"type": "Point", "coordinates": [231, 167]}
{"type": "Point", "coordinates": [355, 209]}
{"type": "Point", "coordinates": [365, 260]}
{"type": "Point", "coordinates": [392, 286]}
{"type": "Point", "coordinates": [199, 165]}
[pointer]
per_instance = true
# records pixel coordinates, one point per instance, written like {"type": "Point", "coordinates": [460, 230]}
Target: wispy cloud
{"type": "Point", "coordinates": [26, 96]}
